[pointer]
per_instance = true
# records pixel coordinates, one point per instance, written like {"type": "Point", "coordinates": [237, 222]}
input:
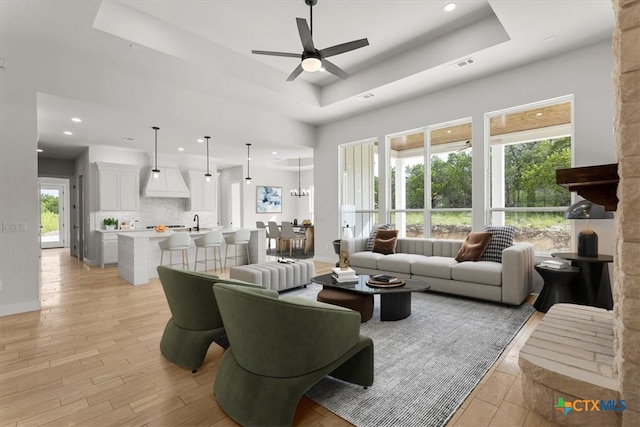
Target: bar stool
{"type": "Point", "coordinates": [212, 239]}
{"type": "Point", "coordinates": [239, 238]}
{"type": "Point", "coordinates": [176, 242]}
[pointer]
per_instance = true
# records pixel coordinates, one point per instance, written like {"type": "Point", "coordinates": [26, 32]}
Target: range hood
{"type": "Point", "coordinates": [169, 183]}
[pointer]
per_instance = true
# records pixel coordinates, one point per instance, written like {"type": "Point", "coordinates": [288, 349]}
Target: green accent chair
{"type": "Point", "coordinates": [195, 321]}
{"type": "Point", "coordinates": [279, 349]}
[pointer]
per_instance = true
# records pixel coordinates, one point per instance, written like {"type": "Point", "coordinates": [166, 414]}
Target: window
{"type": "Point", "coordinates": [359, 186]}
{"type": "Point", "coordinates": [451, 164]}
{"type": "Point", "coordinates": [527, 145]}
{"type": "Point", "coordinates": [407, 182]}
{"type": "Point", "coordinates": [434, 201]}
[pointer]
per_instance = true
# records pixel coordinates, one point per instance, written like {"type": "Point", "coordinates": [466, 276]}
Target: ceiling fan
{"type": "Point", "coordinates": [313, 59]}
{"type": "Point", "coordinates": [467, 145]}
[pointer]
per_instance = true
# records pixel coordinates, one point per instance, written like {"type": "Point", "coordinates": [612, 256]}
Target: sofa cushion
{"type": "Point", "coordinates": [473, 246]}
{"type": "Point", "coordinates": [502, 238]}
{"type": "Point", "coordinates": [433, 266]}
{"type": "Point", "coordinates": [385, 242]}
{"type": "Point", "coordinates": [365, 259]}
{"type": "Point", "coordinates": [398, 263]}
{"type": "Point", "coordinates": [482, 272]}
{"type": "Point", "coordinates": [372, 235]}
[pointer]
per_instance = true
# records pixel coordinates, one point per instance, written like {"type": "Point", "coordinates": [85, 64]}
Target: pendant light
{"type": "Point", "coordinates": [299, 192]}
{"type": "Point", "coordinates": [248, 178]}
{"type": "Point", "coordinates": [155, 170]}
{"type": "Point", "coordinates": [207, 176]}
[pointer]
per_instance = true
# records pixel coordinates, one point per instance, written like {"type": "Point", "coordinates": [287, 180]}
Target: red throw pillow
{"type": "Point", "coordinates": [385, 242]}
{"type": "Point", "coordinates": [474, 246]}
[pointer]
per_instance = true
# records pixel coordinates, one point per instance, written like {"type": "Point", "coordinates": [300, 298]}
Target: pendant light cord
{"type": "Point", "coordinates": [155, 169]}
{"type": "Point", "coordinates": [207, 138]}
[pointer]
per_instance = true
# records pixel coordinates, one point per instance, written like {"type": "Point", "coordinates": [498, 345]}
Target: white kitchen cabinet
{"type": "Point", "coordinates": [109, 246]}
{"type": "Point", "coordinates": [118, 187]}
{"type": "Point", "coordinates": [203, 193]}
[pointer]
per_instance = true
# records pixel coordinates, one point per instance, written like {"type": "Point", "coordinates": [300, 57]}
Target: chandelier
{"type": "Point", "coordinates": [299, 192]}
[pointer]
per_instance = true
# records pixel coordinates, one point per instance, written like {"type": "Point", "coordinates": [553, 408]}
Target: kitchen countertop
{"type": "Point", "coordinates": [169, 231]}
{"type": "Point", "coordinates": [151, 233]}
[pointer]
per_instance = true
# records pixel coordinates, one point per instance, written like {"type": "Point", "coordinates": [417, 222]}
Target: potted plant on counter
{"type": "Point", "coordinates": [110, 223]}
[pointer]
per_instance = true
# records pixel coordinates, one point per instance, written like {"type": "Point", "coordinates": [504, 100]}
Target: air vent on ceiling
{"type": "Point", "coordinates": [462, 63]}
{"type": "Point", "coordinates": [128, 139]}
{"type": "Point", "coordinates": [366, 95]}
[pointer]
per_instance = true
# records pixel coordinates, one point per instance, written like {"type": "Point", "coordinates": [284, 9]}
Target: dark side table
{"type": "Point", "coordinates": [558, 284]}
{"type": "Point", "coordinates": [594, 286]}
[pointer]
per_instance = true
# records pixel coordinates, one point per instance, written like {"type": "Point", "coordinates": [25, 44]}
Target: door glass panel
{"type": "Point", "coordinates": [50, 220]}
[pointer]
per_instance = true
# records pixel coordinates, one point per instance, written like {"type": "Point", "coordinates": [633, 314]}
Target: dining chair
{"type": "Point", "coordinates": [274, 233]}
{"type": "Point", "coordinates": [289, 235]}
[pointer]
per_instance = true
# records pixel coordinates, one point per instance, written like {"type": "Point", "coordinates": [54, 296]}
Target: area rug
{"type": "Point", "coordinates": [425, 365]}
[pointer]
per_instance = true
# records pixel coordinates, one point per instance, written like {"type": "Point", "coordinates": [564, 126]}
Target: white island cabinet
{"type": "Point", "coordinates": [139, 253]}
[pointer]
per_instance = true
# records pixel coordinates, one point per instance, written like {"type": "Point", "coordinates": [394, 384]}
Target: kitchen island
{"type": "Point", "coordinates": [139, 253]}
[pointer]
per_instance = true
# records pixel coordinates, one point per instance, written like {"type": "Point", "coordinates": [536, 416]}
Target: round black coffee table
{"type": "Point", "coordinates": [395, 303]}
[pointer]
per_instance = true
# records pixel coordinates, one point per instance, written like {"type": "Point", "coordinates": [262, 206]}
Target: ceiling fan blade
{"type": "Point", "coordinates": [344, 47]}
{"type": "Point", "coordinates": [334, 69]}
{"type": "Point", "coordinates": [466, 146]}
{"type": "Point", "coordinates": [267, 52]}
{"type": "Point", "coordinates": [305, 35]}
{"type": "Point", "coordinates": [295, 73]}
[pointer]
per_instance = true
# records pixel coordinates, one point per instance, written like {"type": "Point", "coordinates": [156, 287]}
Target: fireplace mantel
{"type": "Point", "coordinates": [597, 184]}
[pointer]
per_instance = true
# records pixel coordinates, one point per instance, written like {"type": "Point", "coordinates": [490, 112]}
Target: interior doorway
{"type": "Point", "coordinates": [235, 205]}
{"type": "Point", "coordinates": [54, 216]}
{"type": "Point", "coordinates": [76, 210]}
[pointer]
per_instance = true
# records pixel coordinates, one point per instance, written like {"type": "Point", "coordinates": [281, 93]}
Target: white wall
{"type": "Point", "coordinates": [586, 73]}
{"type": "Point", "coordinates": [292, 207]}
{"type": "Point", "coordinates": [19, 201]}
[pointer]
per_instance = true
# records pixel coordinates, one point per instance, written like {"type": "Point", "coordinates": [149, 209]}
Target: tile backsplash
{"type": "Point", "coordinates": [167, 211]}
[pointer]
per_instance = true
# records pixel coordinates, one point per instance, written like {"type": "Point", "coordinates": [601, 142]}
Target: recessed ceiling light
{"type": "Point", "coordinates": [274, 152]}
{"type": "Point", "coordinates": [449, 7]}
{"type": "Point", "coordinates": [66, 132]}
{"type": "Point", "coordinates": [40, 150]}
{"type": "Point", "coordinates": [200, 140]}
{"type": "Point", "coordinates": [76, 119]}
{"type": "Point", "coordinates": [366, 96]}
{"type": "Point", "coordinates": [180, 148]}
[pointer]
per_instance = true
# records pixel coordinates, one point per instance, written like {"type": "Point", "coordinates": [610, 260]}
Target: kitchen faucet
{"type": "Point", "coordinates": [197, 219]}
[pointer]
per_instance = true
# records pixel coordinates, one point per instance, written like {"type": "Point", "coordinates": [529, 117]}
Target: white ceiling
{"type": "Point", "coordinates": [198, 54]}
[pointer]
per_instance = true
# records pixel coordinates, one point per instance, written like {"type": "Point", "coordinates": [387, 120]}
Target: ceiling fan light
{"type": "Point", "coordinates": [311, 64]}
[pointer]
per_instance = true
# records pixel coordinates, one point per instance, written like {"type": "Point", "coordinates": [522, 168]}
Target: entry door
{"type": "Point", "coordinates": [52, 213]}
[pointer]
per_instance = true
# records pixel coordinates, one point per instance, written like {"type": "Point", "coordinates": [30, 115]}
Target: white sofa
{"type": "Point", "coordinates": [433, 260]}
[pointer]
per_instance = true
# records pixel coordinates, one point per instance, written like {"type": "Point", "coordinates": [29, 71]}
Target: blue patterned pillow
{"type": "Point", "coordinates": [372, 235]}
{"type": "Point", "coordinates": [502, 238]}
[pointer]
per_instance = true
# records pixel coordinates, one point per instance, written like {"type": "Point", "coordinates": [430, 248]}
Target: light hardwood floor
{"type": "Point", "coordinates": [90, 356]}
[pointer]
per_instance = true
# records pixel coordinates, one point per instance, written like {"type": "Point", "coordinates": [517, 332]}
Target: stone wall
{"type": "Point", "coordinates": [626, 290]}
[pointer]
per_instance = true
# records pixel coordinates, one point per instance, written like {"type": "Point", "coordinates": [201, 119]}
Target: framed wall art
{"type": "Point", "coordinates": [268, 199]}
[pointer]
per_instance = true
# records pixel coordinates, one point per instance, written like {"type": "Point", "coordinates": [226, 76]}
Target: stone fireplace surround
{"type": "Point", "coordinates": [540, 357]}
{"type": "Point", "coordinates": [626, 287]}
